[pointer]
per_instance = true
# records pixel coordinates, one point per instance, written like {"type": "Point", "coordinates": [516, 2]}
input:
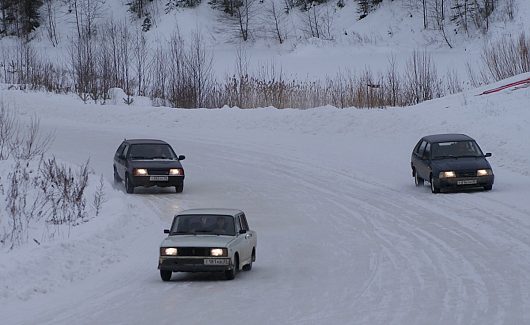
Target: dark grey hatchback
{"type": "Point", "coordinates": [451, 161]}
{"type": "Point", "coordinates": [147, 162]}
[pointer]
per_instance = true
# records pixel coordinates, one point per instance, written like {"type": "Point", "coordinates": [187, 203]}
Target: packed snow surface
{"type": "Point", "coordinates": [344, 235]}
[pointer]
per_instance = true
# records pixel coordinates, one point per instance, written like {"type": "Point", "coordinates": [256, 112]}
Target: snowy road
{"type": "Point", "coordinates": [344, 235]}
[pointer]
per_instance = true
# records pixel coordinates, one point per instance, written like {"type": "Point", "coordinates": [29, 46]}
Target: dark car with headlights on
{"type": "Point", "coordinates": [147, 162]}
{"type": "Point", "coordinates": [208, 240]}
{"type": "Point", "coordinates": [451, 161]}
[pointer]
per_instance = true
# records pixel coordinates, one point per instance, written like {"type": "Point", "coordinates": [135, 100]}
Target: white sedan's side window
{"type": "Point", "coordinates": [238, 225]}
{"type": "Point", "coordinates": [244, 224]}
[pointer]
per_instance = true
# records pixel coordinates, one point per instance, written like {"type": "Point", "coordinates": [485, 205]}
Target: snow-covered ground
{"type": "Point", "coordinates": [344, 235]}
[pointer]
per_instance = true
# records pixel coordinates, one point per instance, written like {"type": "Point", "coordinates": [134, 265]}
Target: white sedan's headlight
{"type": "Point", "coordinates": [170, 251]}
{"type": "Point", "coordinates": [176, 172]}
{"type": "Point", "coordinates": [484, 172]}
{"type": "Point", "coordinates": [447, 174]}
{"type": "Point", "coordinates": [140, 172]}
{"type": "Point", "coordinates": [217, 252]}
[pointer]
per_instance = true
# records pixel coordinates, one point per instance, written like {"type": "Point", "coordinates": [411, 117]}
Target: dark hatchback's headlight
{"type": "Point", "coordinates": [484, 172]}
{"type": "Point", "coordinates": [176, 172]}
{"type": "Point", "coordinates": [447, 174]}
{"type": "Point", "coordinates": [140, 172]}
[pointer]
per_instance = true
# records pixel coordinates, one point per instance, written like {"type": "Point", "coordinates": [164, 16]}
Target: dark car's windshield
{"type": "Point", "coordinates": [203, 224]}
{"type": "Point", "coordinates": [455, 149]}
{"type": "Point", "coordinates": [151, 151]}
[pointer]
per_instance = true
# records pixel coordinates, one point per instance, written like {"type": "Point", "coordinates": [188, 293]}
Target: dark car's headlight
{"type": "Point", "coordinates": [218, 252]}
{"type": "Point", "coordinates": [140, 172]}
{"type": "Point", "coordinates": [447, 174]}
{"type": "Point", "coordinates": [176, 172]}
{"type": "Point", "coordinates": [168, 251]}
{"type": "Point", "coordinates": [484, 172]}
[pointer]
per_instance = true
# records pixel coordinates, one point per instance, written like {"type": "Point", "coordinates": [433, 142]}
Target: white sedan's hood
{"type": "Point", "coordinates": [196, 241]}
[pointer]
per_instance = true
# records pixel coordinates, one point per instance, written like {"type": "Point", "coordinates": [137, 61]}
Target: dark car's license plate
{"type": "Point", "coordinates": [467, 182]}
{"type": "Point", "coordinates": [158, 178]}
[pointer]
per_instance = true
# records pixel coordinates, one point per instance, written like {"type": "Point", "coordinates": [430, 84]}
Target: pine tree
{"type": "Point", "coordinates": [29, 15]}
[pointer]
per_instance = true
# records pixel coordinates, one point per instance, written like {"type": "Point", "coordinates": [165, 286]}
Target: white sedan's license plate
{"type": "Point", "coordinates": [158, 178]}
{"type": "Point", "coordinates": [216, 261]}
{"type": "Point", "coordinates": [467, 182]}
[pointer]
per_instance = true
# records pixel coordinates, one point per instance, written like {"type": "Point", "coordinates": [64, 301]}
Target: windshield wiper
{"type": "Point", "coordinates": [180, 233]}
{"type": "Point", "coordinates": [138, 157]}
{"type": "Point", "coordinates": [469, 156]}
{"type": "Point", "coordinates": [445, 157]}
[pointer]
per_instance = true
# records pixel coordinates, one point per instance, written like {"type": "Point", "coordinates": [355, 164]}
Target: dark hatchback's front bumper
{"type": "Point", "coordinates": [465, 182]}
{"type": "Point", "coordinates": [191, 264]}
{"type": "Point", "coordinates": [146, 181]}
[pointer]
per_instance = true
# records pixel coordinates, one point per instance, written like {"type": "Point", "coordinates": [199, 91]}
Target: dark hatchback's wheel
{"type": "Point", "coordinates": [488, 187]}
{"type": "Point", "coordinates": [117, 177]}
{"type": "Point", "coordinates": [418, 180]}
{"type": "Point", "coordinates": [179, 188]}
{"type": "Point", "coordinates": [165, 275]}
{"type": "Point", "coordinates": [434, 188]}
{"type": "Point", "coordinates": [129, 187]}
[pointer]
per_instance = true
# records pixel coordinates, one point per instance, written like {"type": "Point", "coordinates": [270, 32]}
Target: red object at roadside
{"type": "Point", "coordinates": [513, 84]}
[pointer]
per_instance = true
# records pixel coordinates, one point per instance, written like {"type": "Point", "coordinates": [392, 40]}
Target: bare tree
{"type": "Point", "coordinates": [86, 12]}
{"type": "Point", "coordinates": [421, 77]}
{"type": "Point", "coordinates": [439, 18]}
{"type": "Point", "coordinates": [275, 18]}
{"type": "Point", "coordinates": [141, 54]}
{"type": "Point", "coordinates": [51, 23]}
{"type": "Point", "coordinates": [8, 127]}
{"type": "Point", "coordinates": [199, 67]}
{"type": "Point", "coordinates": [318, 21]}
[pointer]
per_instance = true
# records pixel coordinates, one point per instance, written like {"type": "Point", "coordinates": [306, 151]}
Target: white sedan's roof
{"type": "Point", "coordinates": [220, 211]}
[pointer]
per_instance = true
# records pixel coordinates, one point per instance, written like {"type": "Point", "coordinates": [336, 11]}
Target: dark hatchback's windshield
{"type": "Point", "coordinates": [151, 151]}
{"type": "Point", "coordinates": [455, 149]}
{"type": "Point", "coordinates": [203, 224]}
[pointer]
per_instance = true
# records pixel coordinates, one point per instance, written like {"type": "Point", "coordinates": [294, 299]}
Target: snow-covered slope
{"type": "Point", "coordinates": [345, 236]}
{"type": "Point", "coordinates": [395, 28]}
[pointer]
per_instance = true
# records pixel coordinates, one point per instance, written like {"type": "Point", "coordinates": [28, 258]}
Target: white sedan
{"type": "Point", "coordinates": [208, 240]}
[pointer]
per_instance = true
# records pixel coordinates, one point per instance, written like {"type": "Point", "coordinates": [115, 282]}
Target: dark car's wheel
{"type": "Point", "coordinates": [165, 275]}
{"type": "Point", "coordinates": [231, 274]}
{"type": "Point", "coordinates": [179, 188]}
{"type": "Point", "coordinates": [418, 180]}
{"type": "Point", "coordinates": [129, 187]}
{"type": "Point", "coordinates": [434, 188]}
{"type": "Point", "coordinates": [488, 187]}
{"type": "Point", "coordinates": [117, 177]}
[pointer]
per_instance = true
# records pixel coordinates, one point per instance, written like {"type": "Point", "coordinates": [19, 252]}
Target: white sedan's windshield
{"type": "Point", "coordinates": [207, 224]}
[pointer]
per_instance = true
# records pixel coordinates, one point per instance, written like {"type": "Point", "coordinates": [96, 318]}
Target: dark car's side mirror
{"type": "Point", "coordinates": [166, 231]}
{"type": "Point", "coordinates": [181, 157]}
{"type": "Point", "coordinates": [242, 231]}
{"type": "Point", "coordinates": [488, 154]}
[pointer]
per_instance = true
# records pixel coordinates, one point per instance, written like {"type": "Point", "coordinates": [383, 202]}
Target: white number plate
{"type": "Point", "coordinates": [467, 182]}
{"type": "Point", "coordinates": [216, 261]}
{"type": "Point", "coordinates": [158, 178]}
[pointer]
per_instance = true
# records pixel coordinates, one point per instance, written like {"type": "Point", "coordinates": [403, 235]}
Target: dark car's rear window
{"type": "Point", "coordinates": [450, 149]}
{"type": "Point", "coordinates": [151, 151]}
